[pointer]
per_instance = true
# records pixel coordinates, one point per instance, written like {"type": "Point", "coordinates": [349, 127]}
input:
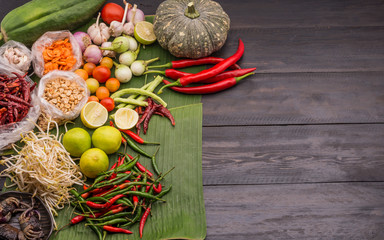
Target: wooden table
{"type": "Point", "coordinates": [297, 150]}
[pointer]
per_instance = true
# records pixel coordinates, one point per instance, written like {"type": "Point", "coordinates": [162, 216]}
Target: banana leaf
{"type": "Point", "coordinates": [182, 216]}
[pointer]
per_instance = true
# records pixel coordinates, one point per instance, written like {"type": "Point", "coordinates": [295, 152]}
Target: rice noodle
{"type": "Point", "coordinates": [44, 168]}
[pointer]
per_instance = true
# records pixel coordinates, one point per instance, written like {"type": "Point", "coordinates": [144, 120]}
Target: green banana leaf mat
{"type": "Point", "coordinates": [182, 216]}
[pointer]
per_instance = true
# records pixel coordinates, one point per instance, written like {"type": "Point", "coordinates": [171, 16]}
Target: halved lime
{"type": "Point", "coordinates": [144, 33]}
{"type": "Point", "coordinates": [126, 118]}
{"type": "Point", "coordinates": [93, 115]}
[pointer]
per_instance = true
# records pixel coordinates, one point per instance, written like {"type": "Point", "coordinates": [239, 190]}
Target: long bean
{"type": "Point", "coordinates": [138, 91]}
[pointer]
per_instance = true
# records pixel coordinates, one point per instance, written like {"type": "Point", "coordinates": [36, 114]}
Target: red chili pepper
{"type": "Point", "coordinates": [193, 62]}
{"type": "Point", "coordinates": [176, 74]}
{"type": "Point", "coordinates": [143, 169]}
{"type": "Point", "coordinates": [85, 195]}
{"type": "Point", "coordinates": [116, 229]}
{"type": "Point", "coordinates": [105, 192]}
{"type": "Point", "coordinates": [209, 88]}
{"type": "Point", "coordinates": [104, 205]}
{"type": "Point", "coordinates": [158, 188]}
{"type": "Point", "coordinates": [130, 157]}
{"type": "Point", "coordinates": [136, 137]}
{"type": "Point", "coordinates": [211, 72]}
{"type": "Point", "coordinates": [121, 161]}
{"type": "Point", "coordinates": [143, 219]}
{"type": "Point", "coordinates": [77, 219]}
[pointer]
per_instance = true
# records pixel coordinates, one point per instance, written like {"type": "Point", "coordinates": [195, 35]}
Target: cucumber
{"type": "Point", "coordinates": [28, 22]}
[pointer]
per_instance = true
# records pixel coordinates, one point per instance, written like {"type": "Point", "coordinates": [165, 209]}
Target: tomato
{"type": "Point", "coordinates": [93, 98]}
{"type": "Point", "coordinates": [82, 73]}
{"type": "Point", "coordinates": [112, 84]}
{"type": "Point", "coordinates": [101, 73]}
{"type": "Point", "coordinates": [108, 103]}
{"type": "Point", "coordinates": [102, 92]}
{"type": "Point", "coordinates": [112, 12]}
{"type": "Point", "coordinates": [106, 61]}
{"type": "Point", "coordinates": [89, 68]}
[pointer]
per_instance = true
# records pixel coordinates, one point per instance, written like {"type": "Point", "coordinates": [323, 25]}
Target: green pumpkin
{"type": "Point", "coordinates": [191, 29]}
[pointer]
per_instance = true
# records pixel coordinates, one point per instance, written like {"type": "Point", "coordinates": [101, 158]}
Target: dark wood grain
{"type": "Point", "coordinates": [318, 49]}
{"type": "Point", "coordinates": [300, 98]}
{"type": "Point", "coordinates": [295, 211]}
{"type": "Point", "coordinates": [293, 154]}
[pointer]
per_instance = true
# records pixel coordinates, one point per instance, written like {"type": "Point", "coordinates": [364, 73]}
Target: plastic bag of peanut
{"type": "Point", "coordinates": [62, 94]}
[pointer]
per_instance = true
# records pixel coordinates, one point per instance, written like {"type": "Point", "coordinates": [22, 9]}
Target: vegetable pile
{"type": "Point", "coordinates": [119, 197]}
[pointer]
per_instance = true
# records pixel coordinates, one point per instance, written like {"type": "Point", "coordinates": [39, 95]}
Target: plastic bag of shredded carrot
{"type": "Point", "coordinates": [56, 50]}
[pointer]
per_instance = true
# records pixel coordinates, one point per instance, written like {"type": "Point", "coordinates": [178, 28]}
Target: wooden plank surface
{"type": "Point", "coordinates": [300, 98]}
{"type": "Point", "coordinates": [352, 211]}
{"type": "Point", "coordinates": [293, 154]}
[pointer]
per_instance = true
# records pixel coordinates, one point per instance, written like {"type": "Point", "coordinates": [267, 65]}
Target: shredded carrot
{"type": "Point", "coordinates": [58, 56]}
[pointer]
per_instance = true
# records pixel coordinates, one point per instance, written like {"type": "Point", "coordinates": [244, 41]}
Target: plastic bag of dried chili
{"type": "Point", "coordinates": [19, 105]}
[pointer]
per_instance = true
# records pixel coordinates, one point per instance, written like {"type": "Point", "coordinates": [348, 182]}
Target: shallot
{"type": "Point", "coordinates": [92, 54]}
{"type": "Point", "coordinates": [136, 15]}
{"type": "Point", "coordinates": [99, 33]}
{"type": "Point", "coordinates": [83, 39]}
{"type": "Point", "coordinates": [108, 53]}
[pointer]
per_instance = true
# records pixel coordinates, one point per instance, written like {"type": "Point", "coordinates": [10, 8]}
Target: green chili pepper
{"type": "Point", "coordinates": [135, 219]}
{"type": "Point", "coordinates": [81, 199]}
{"type": "Point", "coordinates": [113, 222]}
{"type": "Point", "coordinates": [111, 217]}
{"type": "Point", "coordinates": [145, 195]}
{"type": "Point", "coordinates": [97, 199]}
{"type": "Point", "coordinates": [153, 160]}
{"type": "Point", "coordinates": [133, 145]}
{"type": "Point", "coordinates": [95, 229]}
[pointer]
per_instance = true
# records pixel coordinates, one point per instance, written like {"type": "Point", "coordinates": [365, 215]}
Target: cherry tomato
{"type": "Point", "coordinates": [112, 84]}
{"type": "Point", "coordinates": [89, 67]}
{"type": "Point", "coordinates": [93, 98]}
{"type": "Point", "coordinates": [108, 103]}
{"type": "Point", "coordinates": [102, 92]}
{"type": "Point", "coordinates": [101, 73]}
{"type": "Point", "coordinates": [106, 61]}
{"type": "Point", "coordinates": [82, 73]}
{"type": "Point", "coordinates": [111, 12]}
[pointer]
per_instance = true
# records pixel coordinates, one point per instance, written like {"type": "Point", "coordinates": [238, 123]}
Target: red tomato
{"type": "Point", "coordinates": [108, 103]}
{"type": "Point", "coordinates": [101, 73]}
{"type": "Point", "coordinates": [111, 12]}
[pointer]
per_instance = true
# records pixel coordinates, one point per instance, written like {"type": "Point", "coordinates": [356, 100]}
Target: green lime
{"type": "Point", "coordinates": [76, 141]}
{"type": "Point", "coordinates": [144, 33]}
{"type": "Point", "coordinates": [93, 161]}
{"type": "Point", "coordinates": [107, 138]}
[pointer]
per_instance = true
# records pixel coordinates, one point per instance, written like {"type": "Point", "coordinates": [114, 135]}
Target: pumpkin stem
{"type": "Point", "coordinates": [191, 11]}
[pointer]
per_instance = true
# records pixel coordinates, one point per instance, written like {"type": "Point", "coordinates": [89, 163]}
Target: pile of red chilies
{"type": "Point", "coordinates": [215, 79]}
{"type": "Point", "coordinates": [15, 98]}
{"type": "Point", "coordinates": [119, 197]}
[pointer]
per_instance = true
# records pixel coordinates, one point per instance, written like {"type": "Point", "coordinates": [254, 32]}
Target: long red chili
{"type": "Point", "coordinates": [116, 229]}
{"type": "Point", "coordinates": [136, 137]}
{"type": "Point", "coordinates": [104, 205]}
{"type": "Point", "coordinates": [211, 72]}
{"type": "Point", "coordinates": [193, 62]}
{"type": "Point", "coordinates": [158, 188]}
{"type": "Point", "coordinates": [143, 219]}
{"type": "Point", "coordinates": [143, 169]}
{"type": "Point", "coordinates": [176, 74]}
{"type": "Point", "coordinates": [209, 88]}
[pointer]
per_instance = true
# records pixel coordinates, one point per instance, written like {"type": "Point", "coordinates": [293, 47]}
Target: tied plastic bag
{"type": "Point", "coordinates": [11, 133]}
{"type": "Point", "coordinates": [46, 40]}
{"type": "Point", "coordinates": [62, 95]}
{"type": "Point", "coordinates": [17, 55]}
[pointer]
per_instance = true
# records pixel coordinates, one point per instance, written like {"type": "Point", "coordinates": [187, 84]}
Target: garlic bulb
{"type": "Point", "coordinates": [129, 27]}
{"type": "Point", "coordinates": [116, 28]}
{"type": "Point", "coordinates": [99, 33]}
{"type": "Point", "coordinates": [17, 58]}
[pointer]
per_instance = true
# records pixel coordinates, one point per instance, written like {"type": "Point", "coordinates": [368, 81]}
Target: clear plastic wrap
{"type": "Point", "coordinates": [46, 40]}
{"type": "Point", "coordinates": [17, 55]}
{"type": "Point", "coordinates": [11, 133]}
{"type": "Point", "coordinates": [62, 95]}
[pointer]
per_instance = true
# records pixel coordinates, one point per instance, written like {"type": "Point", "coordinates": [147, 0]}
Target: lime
{"type": "Point", "coordinates": [93, 161]}
{"type": "Point", "coordinates": [126, 118]}
{"type": "Point", "coordinates": [107, 138]}
{"type": "Point", "coordinates": [144, 33]}
{"type": "Point", "coordinates": [92, 84]}
{"type": "Point", "coordinates": [76, 141]}
{"type": "Point", "coordinates": [93, 115]}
